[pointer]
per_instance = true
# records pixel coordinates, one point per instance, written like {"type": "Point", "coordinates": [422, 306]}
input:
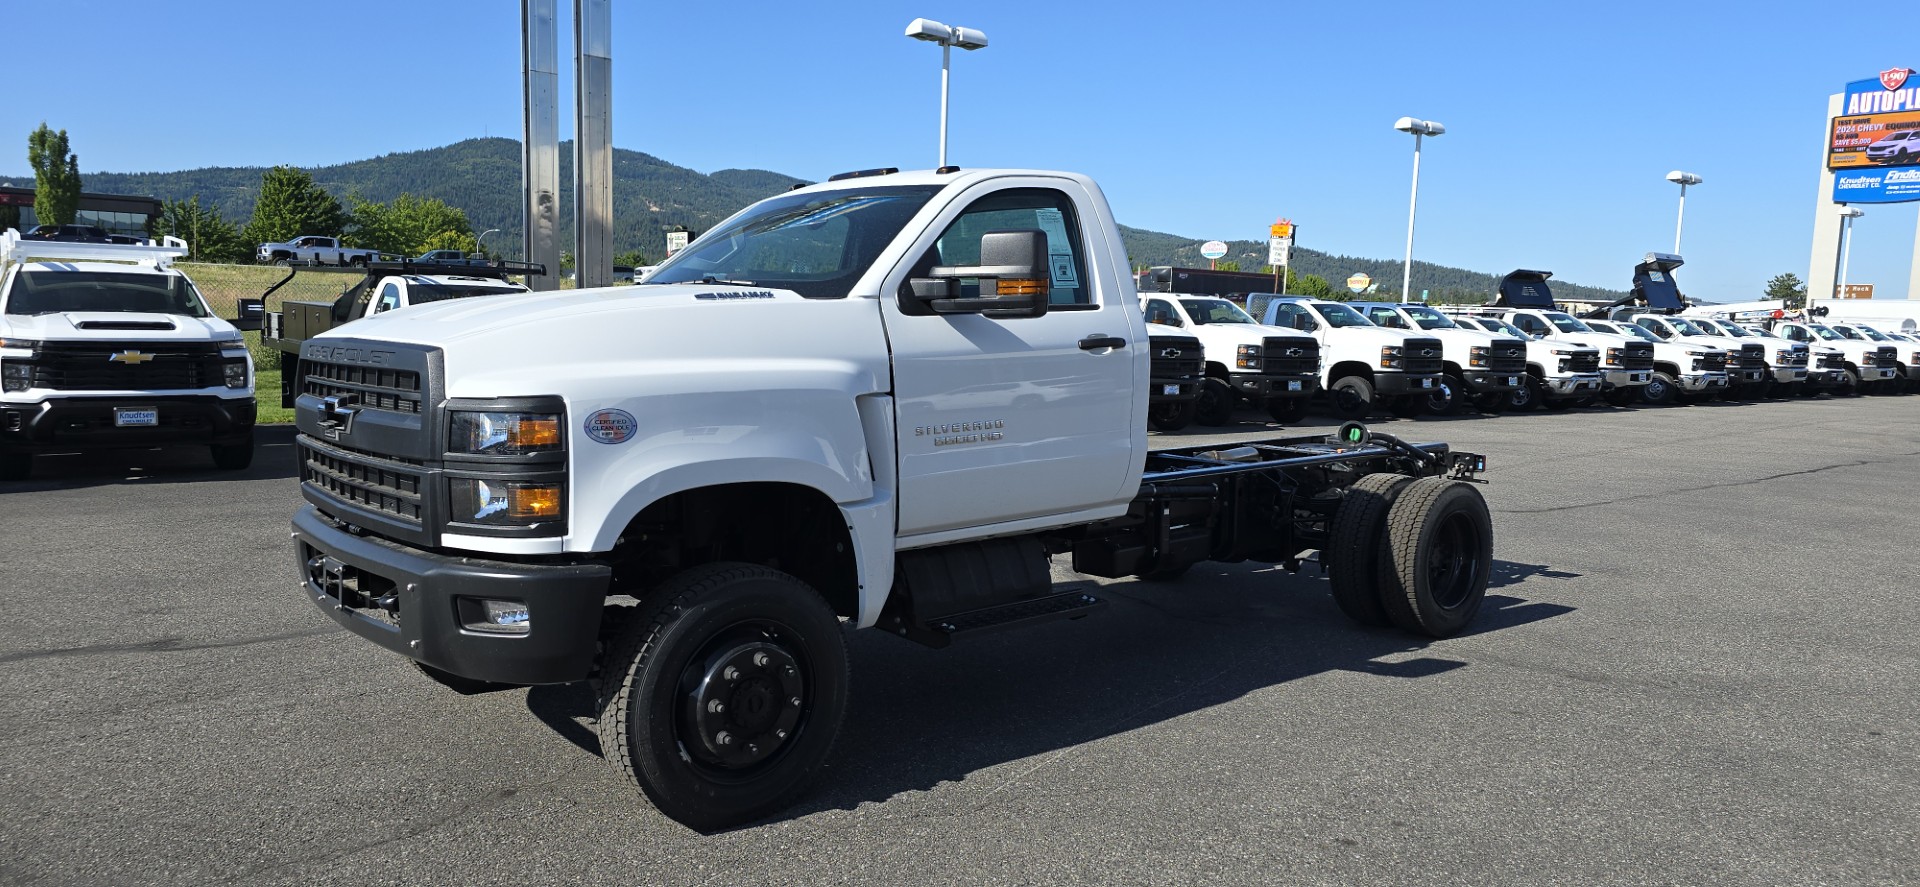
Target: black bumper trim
{"type": "Point", "coordinates": [1263, 385]}
{"type": "Point", "coordinates": [85, 423]}
{"type": "Point", "coordinates": [1404, 383]}
{"type": "Point", "coordinates": [340, 572]}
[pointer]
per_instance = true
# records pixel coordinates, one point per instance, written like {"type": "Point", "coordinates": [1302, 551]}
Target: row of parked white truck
{"type": "Point", "coordinates": [1519, 352]}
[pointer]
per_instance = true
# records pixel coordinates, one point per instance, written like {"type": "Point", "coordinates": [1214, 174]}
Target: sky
{"type": "Point", "coordinates": [1207, 121]}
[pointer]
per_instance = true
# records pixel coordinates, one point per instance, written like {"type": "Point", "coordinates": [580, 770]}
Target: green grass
{"type": "Point", "coordinates": [266, 390]}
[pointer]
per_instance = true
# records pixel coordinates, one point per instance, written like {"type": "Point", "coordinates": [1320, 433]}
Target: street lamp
{"type": "Point", "coordinates": [1683, 179]}
{"type": "Point", "coordinates": [948, 37]}
{"type": "Point", "coordinates": [1418, 128]}
{"type": "Point", "coordinates": [1847, 215]}
{"type": "Point", "coordinates": [479, 243]}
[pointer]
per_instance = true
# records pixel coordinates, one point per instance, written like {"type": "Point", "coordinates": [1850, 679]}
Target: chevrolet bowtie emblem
{"type": "Point", "coordinates": [131, 358]}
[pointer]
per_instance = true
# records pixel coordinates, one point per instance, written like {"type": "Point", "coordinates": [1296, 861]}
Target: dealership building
{"type": "Point", "coordinates": [117, 213]}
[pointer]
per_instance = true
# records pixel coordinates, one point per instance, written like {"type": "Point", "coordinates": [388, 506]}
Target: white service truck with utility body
{"type": "Point", "coordinates": [883, 401]}
{"type": "Point", "coordinates": [1481, 367]}
{"type": "Point", "coordinates": [107, 346]}
{"type": "Point", "coordinates": [1362, 365]}
{"type": "Point", "coordinates": [1275, 369]}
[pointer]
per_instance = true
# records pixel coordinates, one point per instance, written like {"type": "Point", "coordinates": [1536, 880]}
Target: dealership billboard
{"type": "Point", "coordinates": [1874, 146]}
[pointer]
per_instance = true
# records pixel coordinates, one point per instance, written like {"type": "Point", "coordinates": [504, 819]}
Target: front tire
{"type": "Point", "coordinates": [233, 457]}
{"type": "Point", "coordinates": [1661, 390]}
{"type": "Point", "coordinates": [1215, 404]}
{"type": "Point", "coordinates": [1351, 397]}
{"type": "Point", "coordinates": [1527, 397]}
{"type": "Point", "coordinates": [1446, 400]}
{"type": "Point", "coordinates": [1287, 410]}
{"type": "Point", "coordinates": [1173, 416]}
{"type": "Point", "coordinates": [15, 466]}
{"type": "Point", "coordinates": [723, 695]}
{"type": "Point", "coordinates": [1440, 549]}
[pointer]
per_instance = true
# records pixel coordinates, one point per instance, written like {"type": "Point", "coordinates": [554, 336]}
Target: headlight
{"type": "Point", "coordinates": [1248, 357]}
{"type": "Point", "coordinates": [504, 503]}
{"type": "Point", "coordinates": [1477, 355]}
{"type": "Point", "coordinates": [15, 376]}
{"type": "Point", "coordinates": [1617, 356]}
{"type": "Point", "coordinates": [233, 346]}
{"type": "Point", "coordinates": [504, 434]}
{"type": "Point", "coordinates": [1566, 352]}
{"type": "Point", "coordinates": [1699, 353]}
{"type": "Point", "coordinates": [236, 373]}
{"type": "Point", "coordinates": [1390, 355]}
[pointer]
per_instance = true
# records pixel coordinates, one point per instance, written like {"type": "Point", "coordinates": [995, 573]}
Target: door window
{"type": "Point", "coordinates": [1158, 311]}
{"type": "Point", "coordinates": [389, 298]}
{"type": "Point", "coordinates": [1290, 314]}
{"type": "Point", "coordinates": [1015, 209]}
{"type": "Point", "coordinates": [1386, 317]}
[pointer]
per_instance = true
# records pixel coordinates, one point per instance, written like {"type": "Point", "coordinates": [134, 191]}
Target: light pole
{"type": "Point", "coordinates": [480, 243]}
{"type": "Point", "coordinates": [1847, 215]}
{"type": "Point", "coordinates": [1683, 179]}
{"type": "Point", "coordinates": [1418, 128]}
{"type": "Point", "coordinates": [948, 37]}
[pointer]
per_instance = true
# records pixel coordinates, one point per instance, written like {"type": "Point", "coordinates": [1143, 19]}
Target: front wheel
{"type": "Point", "coordinates": [1446, 399]}
{"type": "Point", "coordinates": [233, 457]}
{"type": "Point", "coordinates": [1492, 403]}
{"type": "Point", "coordinates": [1287, 410]}
{"type": "Point", "coordinates": [15, 466]}
{"type": "Point", "coordinates": [1408, 406]}
{"type": "Point", "coordinates": [722, 697]}
{"type": "Point", "coordinates": [1173, 415]}
{"type": "Point", "coordinates": [1352, 397]}
{"type": "Point", "coordinates": [1661, 390]}
{"type": "Point", "coordinates": [1849, 384]}
{"type": "Point", "coordinates": [1215, 404]}
{"type": "Point", "coordinates": [1525, 398]}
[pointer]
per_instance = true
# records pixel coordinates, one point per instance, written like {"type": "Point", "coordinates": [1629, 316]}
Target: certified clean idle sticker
{"type": "Point", "coordinates": [612, 426]}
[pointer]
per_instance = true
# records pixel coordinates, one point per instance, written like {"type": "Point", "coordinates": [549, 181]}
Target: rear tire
{"type": "Point", "coordinates": [722, 696]}
{"type": "Point", "coordinates": [1173, 416]}
{"type": "Point", "coordinates": [15, 466]}
{"type": "Point", "coordinates": [1351, 397]}
{"type": "Point", "coordinates": [1355, 540]}
{"type": "Point", "coordinates": [1440, 556]}
{"type": "Point", "coordinates": [1214, 406]}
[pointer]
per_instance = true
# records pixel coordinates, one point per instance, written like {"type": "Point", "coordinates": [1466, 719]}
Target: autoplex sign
{"type": "Point", "coordinates": [1874, 147]}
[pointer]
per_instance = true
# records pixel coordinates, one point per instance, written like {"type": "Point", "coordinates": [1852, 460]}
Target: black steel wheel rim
{"type": "Point", "coordinates": [744, 700]}
{"type": "Point", "coordinates": [1454, 567]}
{"type": "Point", "coordinates": [1347, 398]}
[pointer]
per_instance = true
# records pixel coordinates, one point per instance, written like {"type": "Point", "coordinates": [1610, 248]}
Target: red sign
{"type": "Point", "coordinates": [16, 199]}
{"type": "Point", "coordinates": [1894, 78]}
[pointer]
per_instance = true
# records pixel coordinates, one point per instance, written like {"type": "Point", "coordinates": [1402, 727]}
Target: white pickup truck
{"type": "Point", "coordinates": [313, 249]}
{"type": "Point", "coordinates": [1362, 365]}
{"type": "Point", "coordinates": [883, 401]}
{"type": "Point", "coordinates": [1786, 359]}
{"type": "Point", "coordinates": [109, 346]}
{"type": "Point", "coordinates": [1869, 365]}
{"type": "Point", "coordinates": [1277, 369]}
{"type": "Point", "coordinates": [1559, 374]}
{"type": "Point", "coordinates": [1481, 367]}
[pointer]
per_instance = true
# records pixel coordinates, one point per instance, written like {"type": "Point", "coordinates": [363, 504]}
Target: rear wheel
{"type": "Point", "coordinates": [1174, 415]}
{"type": "Point", "coordinates": [1355, 538]}
{"type": "Point", "coordinates": [1215, 404]}
{"type": "Point", "coordinates": [1440, 551]}
{"type": "Point", "coordinates": [1287, 410]}
{"type": "Point", "coordinates": [15, 466]}
{"type": "Point", "coordinates": [723, 695]}
{"type": "Point", "coordinates": [1352, 397]}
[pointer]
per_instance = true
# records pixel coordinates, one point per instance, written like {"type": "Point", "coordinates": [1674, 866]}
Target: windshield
{"type": "Point", "coordinates": [1872, 334]}
{"type": "Point", "coordinates": [1429, 319]}
{"type": "Point", "coordinates": [1205, 311]}
{"type": "Point", "coordinates": [1339, 315]}
{"type": "Point", "coordinates": [422, 293]}
{"type": "Point", "coordinates": [49, 292]}
{"type": "Point", "coordinates": [1726, 329]}
{"type": "Point", "coordinates": [1686, 328]}
{"type": "Point", "coordinates": [1497, 325]}
{"type": "Point", "coordinates": [814, 244]}
{"type": "Point", "coordinates": [1567, 324]}
{"type": "Point", "coordinates": [1628, 329]}
{"type": "Point", "coordinates": [1825, 333]}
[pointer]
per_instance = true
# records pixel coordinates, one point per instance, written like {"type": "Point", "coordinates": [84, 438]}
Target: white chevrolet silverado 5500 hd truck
{"type": "Point", "coordinates": [886, 401]}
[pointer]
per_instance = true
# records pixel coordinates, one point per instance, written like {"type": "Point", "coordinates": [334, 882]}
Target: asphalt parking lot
{"type": "Point", "coordinates": [1698, 665]}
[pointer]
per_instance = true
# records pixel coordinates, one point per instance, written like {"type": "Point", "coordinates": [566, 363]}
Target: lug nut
{"type": "Point", "coordinates": [753, 748]}
{"type": "Point", "coordinates": [780, 734]}
{"type": "Point", "coordinates": [716, 706]}
{"type": "Point", "coordinates": [723, 738]}
{"type": "Point", "coordinates": [795, 700]}
{"type": "Point", "coordinates": [760, 660]}
{"type": "Point", "coordinates": [731, 673]}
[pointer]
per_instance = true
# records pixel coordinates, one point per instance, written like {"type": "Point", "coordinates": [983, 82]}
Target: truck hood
{"type": "Point", "coordinates": [531, 314]}
{"type": "Point", "coordinates": [70, 326]}
{"type": "Point", "coordinates": [1596, 340]}
{"type": "Point", "coordinates": [1224, 335]}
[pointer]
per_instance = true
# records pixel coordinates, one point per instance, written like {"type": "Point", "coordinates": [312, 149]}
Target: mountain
{"type": "Point", "coordinates": [650, 195]}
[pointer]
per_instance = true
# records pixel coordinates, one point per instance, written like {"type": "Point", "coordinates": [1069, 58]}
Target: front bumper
{"type": "Point", "coordinates": [1578, 383]}
{"type": "Point", "coordinates": [1172, 390]}
{"type": "Point", "coordinates": [87, 423]}
{"type": "Point", "coordinates": [1626, 378]}
{"type": "Point", "coordinates": [418, 603]}
{"type": "Point", "coordinates": [1878, 374]}
{"type": "Point", "coordinates": [1487, 380]}
{"type": "Point", "coordinates": [1747, 376]}
{"type": "Point", "coordinates": [1405, 383]}
{"type": "Point", "coordinates": [1703, 381]}
{"type": "Point", "coordinates": [1259, 387]}
{"type": "Point", "coordinates": [1790, 374]}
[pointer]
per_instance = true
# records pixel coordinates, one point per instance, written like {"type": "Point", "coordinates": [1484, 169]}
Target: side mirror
{"type": "Point", "coordinates": [1013, 274]}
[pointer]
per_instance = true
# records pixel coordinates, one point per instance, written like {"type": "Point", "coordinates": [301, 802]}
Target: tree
{"type": "Point", "coordinates": [56, 176]}
{"type": "Point", "coordinates": [409, 225]}
{"type": "Point", "coordinates": [1787, 288]}
{"type": "Point", "coordinates": [292, 205]}
{"type": "Point", "coordinates": [632, 258]}
{"type": "Point", "coordinates": [1226, 266]}
{"type": "Point", "coordinates": [208, 233]}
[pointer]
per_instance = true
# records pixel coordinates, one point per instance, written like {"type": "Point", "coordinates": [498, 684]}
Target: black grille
{"type": "Point", "coordinates": [1833, 361]}
{"type": "Point", "coordinates": [1290, 357]}
{"type": "Point", "coordinates": [1424, 356]}
{"type": "Point", "coordinates": [1887, 358]}
{"type": "Point", "coordinates": [1638, 356]}
{"type": "Point", "coordinates": [1177, 358]}
{"type": "Point", "coordinates": [377, 483]}
{"type": "Point", "coordinates": [88, 366]}
{"type": "Point", "coordinates": [379, 388]}
{"type": "Point", "coordinates": [1714, 362]}
{"type": "Point", "coordinates": [1753, 357]}
{"type": "Point", "coordinates": [1507, 356]}
{"type": "Point", "coordinates": [1582, 362]}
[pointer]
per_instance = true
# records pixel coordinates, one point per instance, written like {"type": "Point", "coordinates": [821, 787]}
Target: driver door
{"type": "Point", "coordinates": [1027, 419]}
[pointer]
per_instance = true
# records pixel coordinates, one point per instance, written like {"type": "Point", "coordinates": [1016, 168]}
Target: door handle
{"type": "Point", "coordinates": [1098, 341]}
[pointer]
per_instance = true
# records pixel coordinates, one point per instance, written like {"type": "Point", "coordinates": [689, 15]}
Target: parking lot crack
{"type": "Point", "coordinates": [160, 645]}
{"type": "Point", "coordinates": [1683, 491]}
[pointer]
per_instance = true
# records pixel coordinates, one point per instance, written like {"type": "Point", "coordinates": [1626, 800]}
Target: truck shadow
{"type": "Point", "coordinates": [920, 717]}
{"type": "Point", "coordinates": [273, 459]}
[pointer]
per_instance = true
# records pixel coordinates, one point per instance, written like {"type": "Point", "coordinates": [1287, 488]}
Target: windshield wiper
{"type": "Point", "coordinates": [710, 279]}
